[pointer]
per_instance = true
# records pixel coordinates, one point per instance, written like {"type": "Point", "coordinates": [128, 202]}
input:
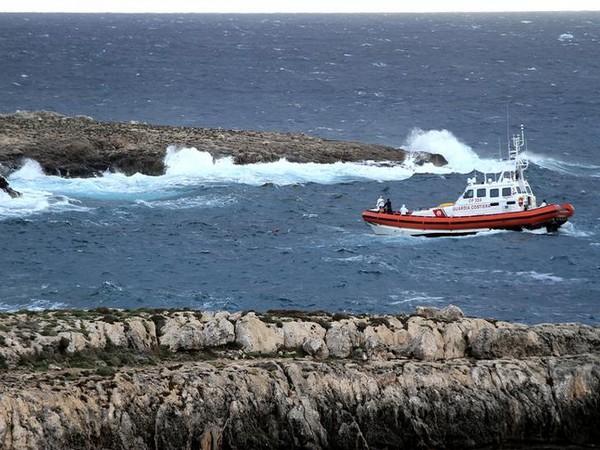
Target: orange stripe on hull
{"type": "Point", "coordinates": [551, 216]}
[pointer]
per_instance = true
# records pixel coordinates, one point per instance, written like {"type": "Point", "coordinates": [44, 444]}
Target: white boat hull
{"type": "Point", "coordinates": [384, 230]}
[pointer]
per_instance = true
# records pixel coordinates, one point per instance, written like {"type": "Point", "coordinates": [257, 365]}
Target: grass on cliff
{"type": "Point", "coordinates": [104, 361]}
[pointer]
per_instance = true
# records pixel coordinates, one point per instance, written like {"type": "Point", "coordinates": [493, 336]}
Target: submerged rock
{"type": "Point", "coordinates": [4, 186]}
{"type": "Point", "coordinates": [80, 146]}
{"type": "Point", "coordinates": [156, 379]}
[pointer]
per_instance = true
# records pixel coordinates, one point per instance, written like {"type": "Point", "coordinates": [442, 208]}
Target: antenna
{"type": "Point", "coordinates": [523, 136]}
{"type": "Point", "coordinates": [508, 128]}
{"type": "Point", "coordinates": [499, 149]}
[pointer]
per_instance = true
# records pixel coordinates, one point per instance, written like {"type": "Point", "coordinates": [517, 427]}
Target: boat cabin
{"type": "Point", "coordinates": [508, 193]}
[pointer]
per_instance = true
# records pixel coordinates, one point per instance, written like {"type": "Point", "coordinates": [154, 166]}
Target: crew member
{"type": "Point", "coordinates": [380, 204]}
{"type": "Point", "coordinates": [403, 209]}
{"type": "Point", "coordinates": [388, 206]}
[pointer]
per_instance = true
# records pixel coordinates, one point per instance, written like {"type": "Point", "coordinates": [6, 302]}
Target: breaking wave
{"type": "Point", "coordinates": [188, 168]}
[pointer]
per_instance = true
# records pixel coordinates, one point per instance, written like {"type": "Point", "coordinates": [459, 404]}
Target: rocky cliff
{"type": "Point", "coordinates": [199, 380]}
{"type": "Point", "coordinates": [80, 146]}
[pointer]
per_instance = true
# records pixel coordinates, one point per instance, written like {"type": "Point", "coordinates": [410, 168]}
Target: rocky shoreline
{"type": "Point", "coordinates": [190, 379]}
{"type": "Point", "coordinates": [82, 147]}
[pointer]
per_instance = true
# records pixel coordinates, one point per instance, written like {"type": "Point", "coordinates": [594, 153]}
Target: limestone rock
{"type": "Point", "coordinates": [449, 313]}
{"type": "Point", "coordinates": [491, 343]}
{"type": "Point", "coordinates": [296, 333]}
{"type": "Point", "coordinates": [316, 347]}
{"type": "Point", "coordinates": [342, 338]}
{"type": "Point", "coordinates": [141, 334]}
{"type": "Point", "coordinates": [425, 383]}
{"type": "Point", "coordinates": [185, 331]}
{"type": "Point", "coordinates": [255, 336]}
{"type": "Point", "coordinates": [455, 342]}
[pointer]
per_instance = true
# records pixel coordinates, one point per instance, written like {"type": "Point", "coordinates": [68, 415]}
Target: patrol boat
{"type": "Point", "coordinates": [504, 202]}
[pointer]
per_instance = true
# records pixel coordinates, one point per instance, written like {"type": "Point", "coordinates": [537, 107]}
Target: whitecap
{"type": "Point", "coordinates": [33, 305]}
{"type": "Point", "coordinates": [543, 277]}
{"type": "Point", "coordinates": [461, 158]}
{"type": "Point", "coordinates": [30, 170]}
{"type": "Point", "coordinates": [34, 201]}
{"type": "Point", "coordinates": [421, 298]}
{"type": "Point", "coordinates": [566, 37]}
{"type": "Point", "coordinates": [199, 201]}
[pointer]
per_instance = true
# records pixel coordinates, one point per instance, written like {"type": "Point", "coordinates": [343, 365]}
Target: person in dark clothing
{"type": "Point", "coordinates": [387, 207]}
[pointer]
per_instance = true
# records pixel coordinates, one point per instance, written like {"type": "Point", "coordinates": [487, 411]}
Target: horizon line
{"type": "Point", "coordinates": [440, 11]}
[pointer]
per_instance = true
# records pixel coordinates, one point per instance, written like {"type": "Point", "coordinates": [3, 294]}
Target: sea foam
{"type": "Point", "coordinates": [461, 158]}
{"type": "Point", "coordinates": [193, 165]}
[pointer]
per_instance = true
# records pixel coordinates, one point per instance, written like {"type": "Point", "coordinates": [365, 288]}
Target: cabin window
{"type": "Point", "coordinates": [481, 192]}
{"type": "Point", "coordinates": [494, 192]}
{"type": "Point", "coordinates": [468, 194]}
{"type": "Point", "coordinates": [506, 192]}
{"type": "Point", "coordinates": [528, 189]}
{"type": "Point", "coordinates": [519, 190]}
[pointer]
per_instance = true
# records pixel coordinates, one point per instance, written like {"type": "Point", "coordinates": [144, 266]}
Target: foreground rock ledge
{"type": "Point", "coordinates": [189, 379]}
{"type": "Point", "coordinates": [82, 147]}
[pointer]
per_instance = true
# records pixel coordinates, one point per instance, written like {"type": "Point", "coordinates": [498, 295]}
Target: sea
{"type": "Point", "coordinates": [212, 235]}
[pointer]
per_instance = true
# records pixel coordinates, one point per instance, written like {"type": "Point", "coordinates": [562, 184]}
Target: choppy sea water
{"type": "Point", "coordinates": [212, 235]}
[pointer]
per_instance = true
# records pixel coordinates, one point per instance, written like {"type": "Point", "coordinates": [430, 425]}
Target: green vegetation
{"type": "Point", "coordinates": [105, 371]}
{"type": "Point", "coordinates": [159, 321]}
{"type": "Point", "coordinates": [104, 360]}
{"type": "Point", "coordinates": [270, 319]}
{"type": "Point", "coordinates": [378, 321]}
{"type": "Point", "coordinates": [361, 326]}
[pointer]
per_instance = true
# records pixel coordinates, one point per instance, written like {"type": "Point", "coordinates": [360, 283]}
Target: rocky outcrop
{"type": "Point", "coordinates": [80, 146]}
{"type": "Point", "coordinates": [189, 379]}
{"type": "Point", "coordinates": [5, 187]}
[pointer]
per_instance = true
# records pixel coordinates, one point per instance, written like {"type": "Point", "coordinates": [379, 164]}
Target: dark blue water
{"type": "Point", "coordinates": [218, 236]}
